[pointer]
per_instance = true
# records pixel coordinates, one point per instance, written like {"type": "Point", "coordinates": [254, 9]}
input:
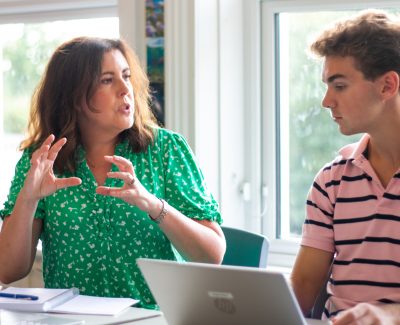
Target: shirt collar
{"type": "Point", "coordinates": [356, 150]}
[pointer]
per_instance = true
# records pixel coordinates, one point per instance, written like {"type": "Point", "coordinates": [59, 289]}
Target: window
{"type": "Point", "coordinates": [24, 52]}
{"type": "Point", "coordinates": [297, 131]}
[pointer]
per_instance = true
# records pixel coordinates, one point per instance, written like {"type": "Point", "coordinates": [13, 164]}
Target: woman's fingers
{"type": "Point", "coordinates": [47, 150]}
{"type": "Point", "coordinates": [67, 182]}
{"type": "Point", "coordinates": [45, 147]}
{"type": "Point", "coordinates": [115, 192]}
{"type": "Point", "coordinates": [37, 155]}
{"type": "Point", "coordinates": [126, 173]}
{"type": "Point", "coordinates": [128, 178]}
{"type": "Point", "coordinates": [49, 140]}
{"type": "Point", "coordinates": [122, 163]}
{"type": "Point", "coordinates": [41, 176]}
{"type": "Point", "coordinates": [42, 152]}
{"type": "Point", "coordinates": [55, 149]}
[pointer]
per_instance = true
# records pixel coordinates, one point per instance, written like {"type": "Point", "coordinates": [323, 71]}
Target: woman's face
{"type": "Point", "coordinates": [113, 99]}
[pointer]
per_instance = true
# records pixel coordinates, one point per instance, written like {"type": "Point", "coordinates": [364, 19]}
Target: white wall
{"type": "Point", "coordinates": [205, 94]}
{"type": "Point", "coordinates": [232, 111]}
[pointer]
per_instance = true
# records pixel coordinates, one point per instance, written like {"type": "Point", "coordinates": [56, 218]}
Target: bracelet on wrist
{"type": "Point", "coordinates": [162, 214]}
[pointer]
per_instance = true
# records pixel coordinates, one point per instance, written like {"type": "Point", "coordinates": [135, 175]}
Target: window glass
{"type": "Point", "coordinates": [307, 137]}
{"type": "Point", "coordinates": [24, 51]}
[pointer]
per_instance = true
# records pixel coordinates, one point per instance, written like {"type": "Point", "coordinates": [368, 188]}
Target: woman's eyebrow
{"type": "Point", "coordinates": [112, 72]}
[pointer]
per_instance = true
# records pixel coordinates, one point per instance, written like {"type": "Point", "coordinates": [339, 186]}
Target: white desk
{"type": "Point", "coordinates": [128, 316]}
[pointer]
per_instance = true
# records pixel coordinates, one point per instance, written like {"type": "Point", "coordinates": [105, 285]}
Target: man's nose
{"type": "Point", "coordinates": [327, 101]}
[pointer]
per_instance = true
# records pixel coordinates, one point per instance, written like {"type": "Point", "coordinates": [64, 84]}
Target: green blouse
{"type": "Point", "coordinates": [92, 241]}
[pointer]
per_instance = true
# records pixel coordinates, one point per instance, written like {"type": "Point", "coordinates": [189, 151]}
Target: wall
{"type": "Point", "coordinates": [206, 97]}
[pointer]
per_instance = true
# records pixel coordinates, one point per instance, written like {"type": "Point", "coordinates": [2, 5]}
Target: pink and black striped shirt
{"type": "Point", "coordinates": [350, 214]}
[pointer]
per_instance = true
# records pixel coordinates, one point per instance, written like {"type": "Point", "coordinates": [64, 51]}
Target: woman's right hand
{"type": "Point", "coordinates": [40, 180]}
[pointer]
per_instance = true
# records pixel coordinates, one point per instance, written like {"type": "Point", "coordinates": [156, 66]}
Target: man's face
{"type": "Point", "coordinates": [354, 101]}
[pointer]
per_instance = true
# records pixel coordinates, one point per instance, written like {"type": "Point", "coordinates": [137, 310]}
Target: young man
{"type": "Point", "coordinates": [351, 234]}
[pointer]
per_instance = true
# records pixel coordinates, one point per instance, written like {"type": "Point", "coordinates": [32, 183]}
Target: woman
{"type": "Point", "coordinates": [112, 188]}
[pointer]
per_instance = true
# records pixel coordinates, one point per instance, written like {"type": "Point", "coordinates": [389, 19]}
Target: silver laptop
{"type": "Point", "coordinates": [197, 293]}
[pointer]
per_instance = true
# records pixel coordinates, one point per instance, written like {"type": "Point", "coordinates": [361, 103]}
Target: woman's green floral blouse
{"type": "Point", "coordinates": [92, 242]}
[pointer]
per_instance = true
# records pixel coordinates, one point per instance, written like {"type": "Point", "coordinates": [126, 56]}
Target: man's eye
{"type": "Point", "coordinates": [340, 87]}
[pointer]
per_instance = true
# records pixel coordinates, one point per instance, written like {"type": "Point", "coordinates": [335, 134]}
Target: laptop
{"type": "Point", "coordinates": [198, 293]}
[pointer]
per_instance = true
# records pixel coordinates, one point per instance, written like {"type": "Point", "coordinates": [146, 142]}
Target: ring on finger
{"type": "Point", "coordinates": [132, 181]}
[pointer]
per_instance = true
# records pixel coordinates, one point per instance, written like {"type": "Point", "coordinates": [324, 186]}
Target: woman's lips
{"type": "Point", "coordinates": [125, 109]}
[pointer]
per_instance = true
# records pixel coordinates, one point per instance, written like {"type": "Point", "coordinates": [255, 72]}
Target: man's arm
{"type": "Point", "coordinates": [309, 274]}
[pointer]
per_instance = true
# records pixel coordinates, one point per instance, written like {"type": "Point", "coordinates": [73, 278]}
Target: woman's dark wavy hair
{"type": "Point", "coordinates": [372, 38]}
{"type": "Point", "coordinates": [70, 79]}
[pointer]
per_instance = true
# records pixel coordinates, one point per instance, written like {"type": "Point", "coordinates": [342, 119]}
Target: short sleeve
{"type": "Point", "coordinates": [318, 226]}
{"type": "Point", "coordinates": [21, 170]}
{"type": "Point", "coordinates": [186, 189]}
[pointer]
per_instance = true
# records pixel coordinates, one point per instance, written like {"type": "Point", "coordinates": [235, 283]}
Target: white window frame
{"type": "Point", "coordinates": [131, 14]}
{"type": "Point", "coordinates": [283, 252]}
{"type": "Point", "coordinates": [48, 10]}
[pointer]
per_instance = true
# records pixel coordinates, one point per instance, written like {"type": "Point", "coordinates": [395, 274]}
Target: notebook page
{"type": "Point", "coordinates": [94, 305]}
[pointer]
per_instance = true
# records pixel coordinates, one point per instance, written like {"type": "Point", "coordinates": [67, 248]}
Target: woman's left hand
{"type": "Point", "coordinates": [196, 240]}
{"type": "Point", "coordinates": [133, 192]}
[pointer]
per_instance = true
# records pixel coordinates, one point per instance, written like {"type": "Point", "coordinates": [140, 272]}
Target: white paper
{"type": "Point", "coordinates": [94, 305]}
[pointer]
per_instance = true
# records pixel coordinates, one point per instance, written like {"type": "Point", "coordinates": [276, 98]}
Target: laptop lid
{"type": "Point", "coordinates": [197, 293]}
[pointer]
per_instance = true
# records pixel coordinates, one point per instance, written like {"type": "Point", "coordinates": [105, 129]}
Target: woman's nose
{"type": "Point", "coordinates": [124, 88]}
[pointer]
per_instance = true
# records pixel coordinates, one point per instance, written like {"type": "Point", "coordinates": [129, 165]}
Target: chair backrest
{"type": "Point", "coordinates": [244, 248]}
{"type": "Point", "coordinates": [319, 305]}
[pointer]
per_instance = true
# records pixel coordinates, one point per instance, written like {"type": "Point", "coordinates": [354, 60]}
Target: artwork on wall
{"type": "Point", "coordinates": [155, 55]}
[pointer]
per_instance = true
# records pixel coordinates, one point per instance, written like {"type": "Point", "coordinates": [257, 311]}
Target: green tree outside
{"type": "Point", "coordinates": [314, 137]}
{"type": "Point", "coordinates": [25, 59]}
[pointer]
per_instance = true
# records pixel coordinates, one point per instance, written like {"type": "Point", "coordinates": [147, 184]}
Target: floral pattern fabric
{"type": "Point", "coordinates": [91, 241]}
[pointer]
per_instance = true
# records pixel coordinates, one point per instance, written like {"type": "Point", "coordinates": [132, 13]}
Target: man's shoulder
{"type": "Point", "coordinates": [341, 163]}
{"type": "Point", "coordinates": [339, 160]}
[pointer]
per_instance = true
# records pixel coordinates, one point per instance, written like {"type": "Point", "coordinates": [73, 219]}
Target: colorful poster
{"type": "Point", "coordinates": [155, 55]}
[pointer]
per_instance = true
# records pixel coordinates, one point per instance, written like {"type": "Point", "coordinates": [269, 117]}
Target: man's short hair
{"type": "Point", "coordinates": [372, 38]}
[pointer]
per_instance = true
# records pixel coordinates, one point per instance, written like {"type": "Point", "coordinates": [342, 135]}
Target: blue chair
{"type": "Point", "coordinates": [244, 248]}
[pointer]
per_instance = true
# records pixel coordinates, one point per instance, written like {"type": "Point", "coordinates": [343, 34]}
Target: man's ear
{"type": "Point", "coordinates": [390, 84]}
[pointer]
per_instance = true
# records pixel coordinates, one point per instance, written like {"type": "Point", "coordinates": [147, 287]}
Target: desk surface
{"type": "Point", "coordinates": [137, 316]}
{"type": "Point", "coordinates": [129, 316]}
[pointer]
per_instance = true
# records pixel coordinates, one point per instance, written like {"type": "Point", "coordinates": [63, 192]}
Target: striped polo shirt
{"type": "Point", "coordinates": [350, 214]}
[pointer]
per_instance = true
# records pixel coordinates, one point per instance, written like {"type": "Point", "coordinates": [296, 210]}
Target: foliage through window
{"type": "Point", "coordinates": [311, 138]}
